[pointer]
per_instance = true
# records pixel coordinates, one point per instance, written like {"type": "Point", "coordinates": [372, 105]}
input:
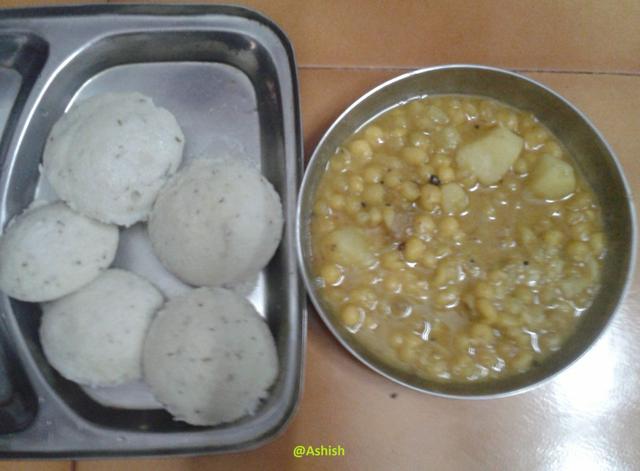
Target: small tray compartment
{"type": "Point", "coordinates": [22, 57]}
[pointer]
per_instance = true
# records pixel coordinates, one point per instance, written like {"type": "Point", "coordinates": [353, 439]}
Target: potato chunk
{"type": "Point", "coordinates": [491, 156]}
{"type": "Point", "coordinates": [348, 246]}
{"type": "Point", "coordinates": [552, 178]}
{"type": "Point", "coordinates": [454, 198]}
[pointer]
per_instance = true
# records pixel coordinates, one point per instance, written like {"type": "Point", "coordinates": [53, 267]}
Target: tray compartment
{"type": "Point", "coordinates": [178, 56]}
{"type": "Point", "coordinates": [22, 57]}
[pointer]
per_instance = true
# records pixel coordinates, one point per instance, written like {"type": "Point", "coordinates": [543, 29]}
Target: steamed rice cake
{"type": "Point", "coordinates": [109, 155]}
{"type": "Point", "coordinates": [95, 335]}
{"type": "Point", "coordinates": [50, 251]}
{"type": "Point", "coordinates": [209, 357]}
{"type": "Point", "coordinates": [216, 224]}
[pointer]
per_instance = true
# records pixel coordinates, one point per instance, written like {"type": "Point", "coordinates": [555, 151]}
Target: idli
{"type": "Point", "coordinates": [95, 336]}
{"type": "Point", "coordinates": [109, 155]}
{"type": "Point", "coordinates": [209, 357]}
{"type": "Point", "coordinates": [215, 223]}
{"type": "Point", "coordinates": [49, 251]}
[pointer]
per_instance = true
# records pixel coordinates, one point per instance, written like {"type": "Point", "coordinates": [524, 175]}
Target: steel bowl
{"type": "Point", "coordinates": [592, 155]}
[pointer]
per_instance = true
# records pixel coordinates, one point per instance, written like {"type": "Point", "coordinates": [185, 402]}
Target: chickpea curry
{"type": "Point", "coordinates": [454, 238]}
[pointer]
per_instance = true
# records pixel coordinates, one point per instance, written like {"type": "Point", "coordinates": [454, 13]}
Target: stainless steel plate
{"type": "Point", "coordinates": [590, 152]}
{"type": "Point", "coordinates": [228, 75]}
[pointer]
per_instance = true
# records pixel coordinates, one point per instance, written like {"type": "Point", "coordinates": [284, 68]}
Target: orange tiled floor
{"type": "Point", "coordinates": [588, 417]}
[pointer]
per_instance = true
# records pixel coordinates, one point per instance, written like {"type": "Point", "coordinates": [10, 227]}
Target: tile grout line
{"type": "Point", "coordinates": [617, 73]}
{"type": "Point", "coordinates": [515, 69]}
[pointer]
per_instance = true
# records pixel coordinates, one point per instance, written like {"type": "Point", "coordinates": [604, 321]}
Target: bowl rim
{"type": "Point", "coordinates": [308, 278]}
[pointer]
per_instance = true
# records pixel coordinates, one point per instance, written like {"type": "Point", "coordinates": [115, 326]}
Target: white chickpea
{"type": "Point", "coordinates": [486, 310]}
{"type": "Point", "coordinates": [374, 136]}
{"type": "Point", "coordinates": [522, 361]}
{"type": "Point", "coordinates": [321, 208]}
{"type": "Point", "coordinates": [553, 149]}
{"type": "Point", "coordinates": [410, 190]}
{"type": "Point", "coordinates": [391, 261]}
{"type": "Point", "coordinates": [470, 110]}
{"type": "Point", "coordinates": [446, 174]}
{"type": "Point", "coordinates": [389, 217]}
{"type": "Point", "coordinates": [578, 251]}
{"type": "Point", "coordinates": [598, 243]}
{"type": "Point", "coordinates": [352, 316]}
{"type": "Point", "coordinates": [437, 115]}
{"type": "Point", "coordinates": [392, 284]}
{"type": "Point", "coordinates": [449, 226]}
{"type": "Point", "coordinates": [373, 174]}
{"type": "Point", "coordinates": [426, 172]}
{"type": "Point", "coordinates": [396, 139]}
{"type": "Point", "coordinates": [521, 167]}
{"type": "Point", "coordinates": [373, 194]}
{"type": "Point", "coordinates": [553, 238]}
{"type": "Point", "coordinates": [535, 138]}
{"type": "Point", "coordinates": [356, 184]}
{"type": "Point", "coordinates": [323, 225]}
{"type": "Point", "coordinates": [393, 179]}
{"type": "Point", "coordinates": [447, 298]}
{"type": "Point", "coordinates": [484, 290]}
{"type": "Point", "coordinates": [457, 116]}
{"type": "Point", "coordinates": [416, 107]}
{"type": "Point", "coordinates": [424, 225]}
{"type": "Point", "coordinates": [361, 150]}
{"type": "Point", "coordinates": [337, 202]}
{"type": "Point", "coordinates": [375, 216]}
{"type": "Point", "coordinates": [481, 333]}
{"type": "Point", "coordinates": [441, 160]}
{"type": "Point", "coordinates": [362, 218]}
{"type": "Point", "coordinates": [332, 274]}
{"type": "Point", "coordinates": [365, 298]}
{"type": "Point", "coordinates": [488, 112]}
{"type": "Point", "coordinates": [414, 249]}
{"type": "Point", "coordinates": [430, 260]}
{"type": "Point", "coordinates": [581, 232]}
{"type": "Point", "coordinates": [352, 205]}
{"type": "Point", "coordinates": [420, 140]}
{"type": "Point", "coordinates": [430, 197]}
{"type": "Point", "coordinates": [446, 273]}
{"type": "Point", "coordinates": [508, 119]}
{"type": "Point", "coordinates": [414, 156]}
